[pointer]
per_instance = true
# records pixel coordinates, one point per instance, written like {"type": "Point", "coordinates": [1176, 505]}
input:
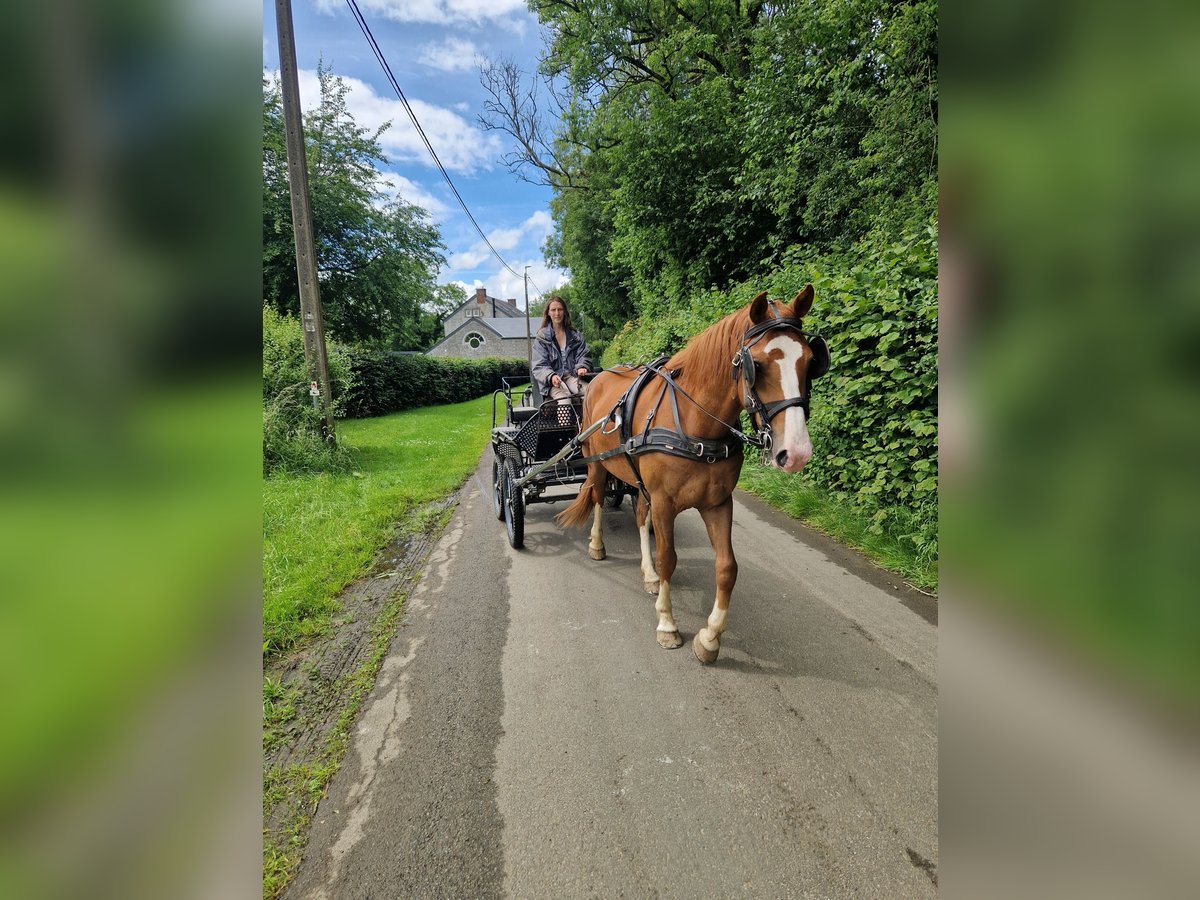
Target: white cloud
{"type": "Point", "coordinates": [460, 147]}
{"type": "Point", "coordinates": [502, 284]}
{"type": "Point", "coordinates": [510, 14]}
{"type": "Point", "coordinates": [469, 259]}
{"type": "Point", "coordinates": [450, 55]}
{"type": "Point", "coordinates": [393, 185]}
{"type": "Point", "coordinates": [536, 227]}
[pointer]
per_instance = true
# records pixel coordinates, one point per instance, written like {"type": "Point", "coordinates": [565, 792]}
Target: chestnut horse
{"type": "Point", "coordinates": [758, 359]}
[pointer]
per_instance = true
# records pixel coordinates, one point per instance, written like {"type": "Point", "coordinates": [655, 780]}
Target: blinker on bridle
{"type": "Point", "coordinates": [743, 367]}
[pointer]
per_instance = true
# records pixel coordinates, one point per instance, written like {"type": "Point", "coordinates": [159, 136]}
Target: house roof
{"type": "Point", "coordinates": [514, 328]}
{"type": "Point", "coordinates": [507, 329]}
{"type": "Point", "coordinates": [503, 308]}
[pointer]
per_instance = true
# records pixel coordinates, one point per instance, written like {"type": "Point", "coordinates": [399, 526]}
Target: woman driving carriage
{"type": "Point", "coordinates": [560, 355]}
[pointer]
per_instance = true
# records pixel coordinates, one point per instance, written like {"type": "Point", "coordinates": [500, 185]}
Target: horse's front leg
{"type": "Point", "coordinates": [664, 536]}
{"type": "Point", "coordinates": [649, 574]}
{"type": "Point", "coordinates": [719, 522]}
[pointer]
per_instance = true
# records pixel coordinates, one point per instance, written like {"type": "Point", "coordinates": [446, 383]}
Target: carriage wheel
{"type": "Point", "coordinates": [613, 501]}
{"type": "Point", "coordinates": [514, 506]}
{"type": "Point", "coordinates": [497, 487]}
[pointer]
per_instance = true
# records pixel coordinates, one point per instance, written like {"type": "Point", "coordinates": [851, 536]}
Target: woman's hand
{"type": "Point", "coordinates": [581, 371]}
{"type": "Point", "coordinates": [555, 381]}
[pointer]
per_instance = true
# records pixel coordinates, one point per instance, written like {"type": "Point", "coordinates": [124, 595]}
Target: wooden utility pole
{"type": "Point", "coordinates": [528, 339]}
{"type": "Point", "coordinates": [306, 265]}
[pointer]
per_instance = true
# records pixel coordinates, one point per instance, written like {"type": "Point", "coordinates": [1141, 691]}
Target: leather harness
{"type": "Point", "coordinates": [674, 441]}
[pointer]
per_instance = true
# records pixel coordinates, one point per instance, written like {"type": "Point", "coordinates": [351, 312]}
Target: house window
{"type": "Point", "coordinates": [474, 312]}
{"type": "Point", "coordinates": [473, 339]}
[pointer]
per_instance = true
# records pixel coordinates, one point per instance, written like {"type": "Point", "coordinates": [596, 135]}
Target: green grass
{"type": "Point", "coordinates": [834, 517]}
{"type": "Point", "coordinates": [320, 531]}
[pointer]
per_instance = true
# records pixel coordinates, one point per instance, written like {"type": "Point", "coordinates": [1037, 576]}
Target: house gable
{"type": "Point", "coordinates": [480, 306]}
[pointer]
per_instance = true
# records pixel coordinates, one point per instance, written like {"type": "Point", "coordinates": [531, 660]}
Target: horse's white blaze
{"type": "Point", "coordinates": [794, 438]}
{"type": "Point", "coordinates": [648, 573]}
{"type": "Point", "coordinates": [710, 637]}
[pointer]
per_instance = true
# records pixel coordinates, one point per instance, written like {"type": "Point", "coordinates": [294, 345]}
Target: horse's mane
{"type": "Point", "coordinates": [707, 357]}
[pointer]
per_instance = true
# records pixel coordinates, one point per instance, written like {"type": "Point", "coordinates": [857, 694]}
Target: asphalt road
{"type": "Point", "coordinates": [528, 738]}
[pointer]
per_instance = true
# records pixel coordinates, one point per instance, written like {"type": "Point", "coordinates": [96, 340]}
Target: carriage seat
{"type": "Point", "coordinates": [522, 414]}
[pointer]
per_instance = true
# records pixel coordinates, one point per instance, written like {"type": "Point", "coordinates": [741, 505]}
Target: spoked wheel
{"type": "Point", "coordinates": [498, 473]}
{"type": "Point", "coordinates": [613, 501]}
{"type": "Point", "coordinates": [514, 506]}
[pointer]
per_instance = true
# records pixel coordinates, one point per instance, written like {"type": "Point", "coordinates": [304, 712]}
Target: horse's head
{"type": "Point", "coordinates": [776, 365]}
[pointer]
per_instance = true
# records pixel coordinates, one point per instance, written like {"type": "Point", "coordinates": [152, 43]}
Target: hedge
{"type": "Point", "coordinates": [387, 382]}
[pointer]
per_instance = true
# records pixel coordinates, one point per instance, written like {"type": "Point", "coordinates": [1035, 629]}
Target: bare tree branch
{"type": "Point", "coordinates": [512, 108]}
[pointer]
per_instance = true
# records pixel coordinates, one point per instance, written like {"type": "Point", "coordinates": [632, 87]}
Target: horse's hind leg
{"type": "Point", "coordinates": [719, 523]}
{"type": "Point", "coordinates": [598, 480]}
{"type": "Point", "coordinates": [596, 537]}
{"type": "Point", "coordinates": [649, 575]}
{"type": "Point", "coordinates": [664, 536]}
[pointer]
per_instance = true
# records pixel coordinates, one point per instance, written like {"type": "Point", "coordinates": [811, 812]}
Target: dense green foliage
{"type": "Point", "coordinates": [377, 257]}
{"type": "Point", "coordinates": [283, 362]}
{"type": "Point", "coordinates": [292, 438]}
{"type": "Point", "coordinates": [387, 382]}
{"type": "Point", "coordinates": [702, 140]}
{"type": "Point", "coordinates": [874, 424]}
{"type": "Point", "coordinates": [709, 150]}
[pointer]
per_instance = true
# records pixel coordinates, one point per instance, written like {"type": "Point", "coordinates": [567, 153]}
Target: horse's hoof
{"type": "Point", "coordinates": [597, 554]}
{"type": "Point", "coordinates": [651, 587]}
{"type": "Point", "coordinates": [706, 656]}
{"type": "Point", "coordinates": [670, 640]}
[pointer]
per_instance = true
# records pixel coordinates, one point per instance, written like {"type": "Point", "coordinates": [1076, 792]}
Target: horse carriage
{"type": "Point", "coordinates": [667, 433]}
{"type": "Point", "coordinates": [532, 451]}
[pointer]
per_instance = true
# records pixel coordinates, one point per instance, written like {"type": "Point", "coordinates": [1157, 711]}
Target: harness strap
{"type": "Point", "coordinates": [664, 440]}
{"type": "Point", "coordinates": [637, 473]}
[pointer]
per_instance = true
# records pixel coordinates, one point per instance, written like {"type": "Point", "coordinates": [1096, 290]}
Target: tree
{"type": "Point", "coordinates": [376, 258]}
{"type": "Point", "coordinates": [698, 140]}
{"type": "Point", "coordinates": [446, 299]}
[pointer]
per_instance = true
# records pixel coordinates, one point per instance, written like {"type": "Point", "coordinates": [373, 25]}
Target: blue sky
{"type": "Point", "coordinates": [433, 48]}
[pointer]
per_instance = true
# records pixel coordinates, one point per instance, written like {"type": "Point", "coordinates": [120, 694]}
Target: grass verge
{"type": "Point", "coordinates": [321, 532]}
{"type": "Point", "coordinates": [300, 787]}
{"type": "Point", "coordinates": [843, 523]}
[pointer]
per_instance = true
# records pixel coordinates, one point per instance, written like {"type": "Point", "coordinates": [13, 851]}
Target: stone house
{"type": "Point", "coordinates": [484, 326]}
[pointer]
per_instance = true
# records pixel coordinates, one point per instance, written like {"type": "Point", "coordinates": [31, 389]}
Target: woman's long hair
{"type": "Point", "coordinates": [567, 326]}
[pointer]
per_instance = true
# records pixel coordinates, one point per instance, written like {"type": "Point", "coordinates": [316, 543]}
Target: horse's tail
{"type": "Point", "coordinates": [590, 494]}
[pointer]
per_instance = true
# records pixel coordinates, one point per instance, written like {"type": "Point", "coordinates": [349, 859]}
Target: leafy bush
{"type": "Point", "coordinates": [283, 360]}
{"type": "Point", "coordinates": [874, 416]}
{"type": "Point", "coordinates": [292, 438]}
{"type": "Point", "coordinates": [387, 382]}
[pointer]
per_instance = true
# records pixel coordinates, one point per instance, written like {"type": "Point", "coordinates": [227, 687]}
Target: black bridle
{"type": "Point", "coordinates": [743, 368]}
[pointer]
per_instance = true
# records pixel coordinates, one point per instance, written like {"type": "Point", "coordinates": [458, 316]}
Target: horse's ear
{"type": "Point", "coordinates": [802, 302]}
{"type": "Point", "coordinates": [758, 308]}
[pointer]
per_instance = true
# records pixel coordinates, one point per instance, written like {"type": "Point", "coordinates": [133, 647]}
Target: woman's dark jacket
{"type": "Point", "coordinates": [549, 359]}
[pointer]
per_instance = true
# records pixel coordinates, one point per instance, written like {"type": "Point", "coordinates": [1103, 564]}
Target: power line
{"type": "Point", "coordinates": [366, 30]}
